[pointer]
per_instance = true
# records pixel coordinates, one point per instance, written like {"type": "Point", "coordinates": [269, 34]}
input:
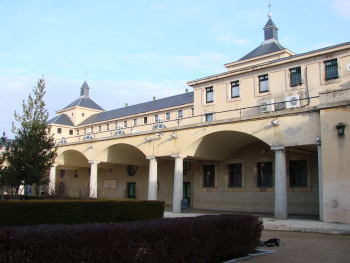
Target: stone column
{"type": "Point", "coordinates": [320, 180]}
{"type": "Point", "coordinates": [178, 183]}
{"type": "Point", "coordinates": [281, 202]}
{"type": "Point", "coordinates": [152, 178]}
{"type": "Point", "coordinates": [52, 183]}
{"type": "Point", "coordinates": [93, 179]}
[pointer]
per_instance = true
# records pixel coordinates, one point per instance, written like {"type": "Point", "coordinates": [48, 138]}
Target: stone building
{"type": "Point", "coordinates": [270, 134]}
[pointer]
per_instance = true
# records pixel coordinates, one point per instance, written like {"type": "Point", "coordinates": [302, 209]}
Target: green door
{"type": "Point", "coordinates": [131, 190]}
{"type": "Point", "coordinates": [187, 192]}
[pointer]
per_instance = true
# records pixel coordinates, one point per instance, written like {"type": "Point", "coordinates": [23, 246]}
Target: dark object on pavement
{"type": "Point", "coordinates": [273, 242]}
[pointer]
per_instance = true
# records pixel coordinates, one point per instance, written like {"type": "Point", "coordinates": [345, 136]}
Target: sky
{"type": "Point", "coordinates": [131, 51]}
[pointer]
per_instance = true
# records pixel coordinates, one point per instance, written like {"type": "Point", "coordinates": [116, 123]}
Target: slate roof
{"type": "Point", "coordinates": [84, 102]}
{"type": "Point", "coordinates": [263, 49]}
{"type": "Point", "coordinates": [177, 100]}
{"type": "Point", "coordinates": [62, 119]}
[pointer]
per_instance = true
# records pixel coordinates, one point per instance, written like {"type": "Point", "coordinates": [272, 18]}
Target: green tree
{"type": "Point", "coordinates": [33, 151]}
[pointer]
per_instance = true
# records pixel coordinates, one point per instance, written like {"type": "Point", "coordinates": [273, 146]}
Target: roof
{"type": "Point", "coordinates": [84, 102]}
{"type": "Point", "coordinates": [263, 49]}
{"type": "Point", "coordinates": [269, 62]}
{"type": "Point", "coordinates": [61, 119]}
{"type": "Point", "coordinates": [173, 101]}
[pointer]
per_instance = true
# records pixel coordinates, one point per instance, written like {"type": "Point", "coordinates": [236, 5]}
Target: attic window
{"type": "Point", "coordinates": [263, 83]}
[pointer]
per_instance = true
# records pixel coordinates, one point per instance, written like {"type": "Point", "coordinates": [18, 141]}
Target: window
{"type": "Point", "coordinates": [208, 175]}
{"type": "Point", "coordinates": [59, 130]}
{"type": "Point", "coordinates": [92, 130]}
{"type": "Point", "coordinates": [192, 111]}
{"type": "Point", "coordinates": [209, 117]}
{"type": "Point", "coordinates": [235, 89]}
{"type": "Point", "coordinates": [70, 132]}
{"type": "Point", "coordinates": [135, 121]}
{"type": "Point", "coordinates": [295, 76]}
{"type": "Point", "coordinates": [235, 175]}
{"type": "Point", "coordinates": [107, 127]}
{"type": "Point", "coordinates": [84, 131]}
{"type": "Point", "coordinates": [167, 115]}
{"type": "Point", "coordinates": [209, 94]}
{"type": "Point", "coordinates": [116, 125]}
{"type": "Point", "coordinates": [99, 128]}
{"type": "Point", "coordinates": [265, 174]}
{"type": "Point", "coordinates": [83, 114]}
{"type": "Point", "coordinates": [263, 83]}
{"type": "Point", "coordinates": [298, 173]}
{"type": "Point", "coordinates": [180, 113]}
{"type": "Point", "coordinates": [62, 172]}
{"type": "Point", "coordinates": [156, 118]}
{"type": "Point", "coordinates": [77, 132]}
{"type": "Point", "coordinates": [125, 124]}
{"type": "Point", "coordinates": [144, 120]}
{"type": "Point", "coordinates": [331, 69]}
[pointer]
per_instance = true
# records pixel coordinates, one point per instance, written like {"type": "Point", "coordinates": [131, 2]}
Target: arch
{"type": "Point", "coordinates": [72, 158]}
{"type": "Point", "coordinates": [123, 153]}
{"type": "Point", "coordinates": [219, 145]}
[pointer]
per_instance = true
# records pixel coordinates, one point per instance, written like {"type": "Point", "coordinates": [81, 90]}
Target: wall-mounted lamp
{"type": "Point", "coordinates": [131, 169]}
{"type": "Point", "coordinates": [341, 128]}
{"type": "Point", "coordinates": [174, 135]}
{"type": "Point", "coordinates": [275, 122]}
{"type": "Point", "coordinates": [89, 146]}
{"type": "Point", "coordinates": [148, 139]}
{"type": "Point", "coordinates": [159, 134]}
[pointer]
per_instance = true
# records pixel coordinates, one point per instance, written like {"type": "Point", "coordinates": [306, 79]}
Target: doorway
{"type": "Point", "coordinates": [187, 191]}
{"type": "Point", "coordinates": [131, 190]}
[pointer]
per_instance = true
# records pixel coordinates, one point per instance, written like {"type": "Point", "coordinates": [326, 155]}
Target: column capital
{"type": "Point", "coordinates": [277, 148]}
{"type": "Point", "coordinates": [94, 162]}
{"type": "Point", "coordinates": [150, 157]}
{"type": "Point", "coordinates": [179, 156]}
{"type": "Point", "coordinates": [54, 165]}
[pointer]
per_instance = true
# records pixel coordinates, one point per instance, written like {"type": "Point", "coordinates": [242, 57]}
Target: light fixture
{"type": "Point", "coordinates": [275, 122]}
{"type": "Point", "coordinates": [341, 128]}
{"type": "Point", "coordinates": [174, 135]}
{"type": "Point", "coordinates": [159, 134]}
{"type": "Point", "coordinates": [148, 139]}
{"type": "Point", "coordinates": [89, 146]}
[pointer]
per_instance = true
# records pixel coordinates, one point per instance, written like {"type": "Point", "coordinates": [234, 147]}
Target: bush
{"type": "Point", "coordinates": [35, 212]}
{"type": "Point", "coordinates": [212, 238]}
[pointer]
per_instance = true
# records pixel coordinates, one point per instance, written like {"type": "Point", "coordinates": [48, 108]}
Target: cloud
{"type": "Point", "coordinates": [342, 7]}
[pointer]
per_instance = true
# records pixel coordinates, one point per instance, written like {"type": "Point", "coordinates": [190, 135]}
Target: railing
{"type": "Point", "coordinates": [235, 113]}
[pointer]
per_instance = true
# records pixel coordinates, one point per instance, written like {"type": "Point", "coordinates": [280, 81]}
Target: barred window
{"type": "Point", "coordinates": [208, 175]}
{"type": "Point", "coordinates": [235, 175]}
{"type": "Point", "coordinates": [265, 174]}
{"type": "Point", "coordinates": [298, 173]}
{"type": "Point", "coordinates": [295, 76]}
{"type": "Point", "coordinates": [331, 69]}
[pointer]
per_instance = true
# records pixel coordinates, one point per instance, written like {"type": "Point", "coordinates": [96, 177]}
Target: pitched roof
{"type": "Point", "coordinates": [84, 102]}
{"type": "Point", "coordinates": [177, 100]}
{"type": "Point", "coordinates": [61, 119]}
{"type": "Point", "coordinates": [263, 49]}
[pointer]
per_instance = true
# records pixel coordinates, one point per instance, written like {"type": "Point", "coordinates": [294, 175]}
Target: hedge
{"type": "Point", "coordinates": [211, 238]}
{"type": "Point", "coordinates": [35, 212]}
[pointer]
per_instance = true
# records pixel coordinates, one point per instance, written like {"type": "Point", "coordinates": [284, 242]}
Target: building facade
{"type": "Point", "coordinates": [267, 135]}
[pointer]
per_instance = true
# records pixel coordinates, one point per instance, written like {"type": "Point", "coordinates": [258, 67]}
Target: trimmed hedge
{"type": "Point", "coordinates": [35, 212]}
{"type": "Point", "coordinates": [212, 238]}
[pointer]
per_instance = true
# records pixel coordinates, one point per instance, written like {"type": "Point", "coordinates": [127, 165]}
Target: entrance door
{"type": "Point", "coordinates": [131, 190]}
{"type": "Point", "coordinates": [187, 191]}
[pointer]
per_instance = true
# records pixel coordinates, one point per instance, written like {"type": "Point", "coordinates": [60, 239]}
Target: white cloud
{"type": "Point", "coordinates": [342, 7]}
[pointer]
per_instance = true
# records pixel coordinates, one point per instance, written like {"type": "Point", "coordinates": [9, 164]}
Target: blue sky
{"type": "Point", "coordinates": [134, 50]}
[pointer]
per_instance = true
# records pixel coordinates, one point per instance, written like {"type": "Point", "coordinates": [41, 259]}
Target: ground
{"type": "Point", "coordinates": [306, 247]}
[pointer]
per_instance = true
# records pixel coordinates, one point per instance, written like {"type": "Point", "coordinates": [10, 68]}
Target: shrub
{"type": "Point", "coordinates": [212, 238]}
{"type": "Point", "coordinates": [35, 212]}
